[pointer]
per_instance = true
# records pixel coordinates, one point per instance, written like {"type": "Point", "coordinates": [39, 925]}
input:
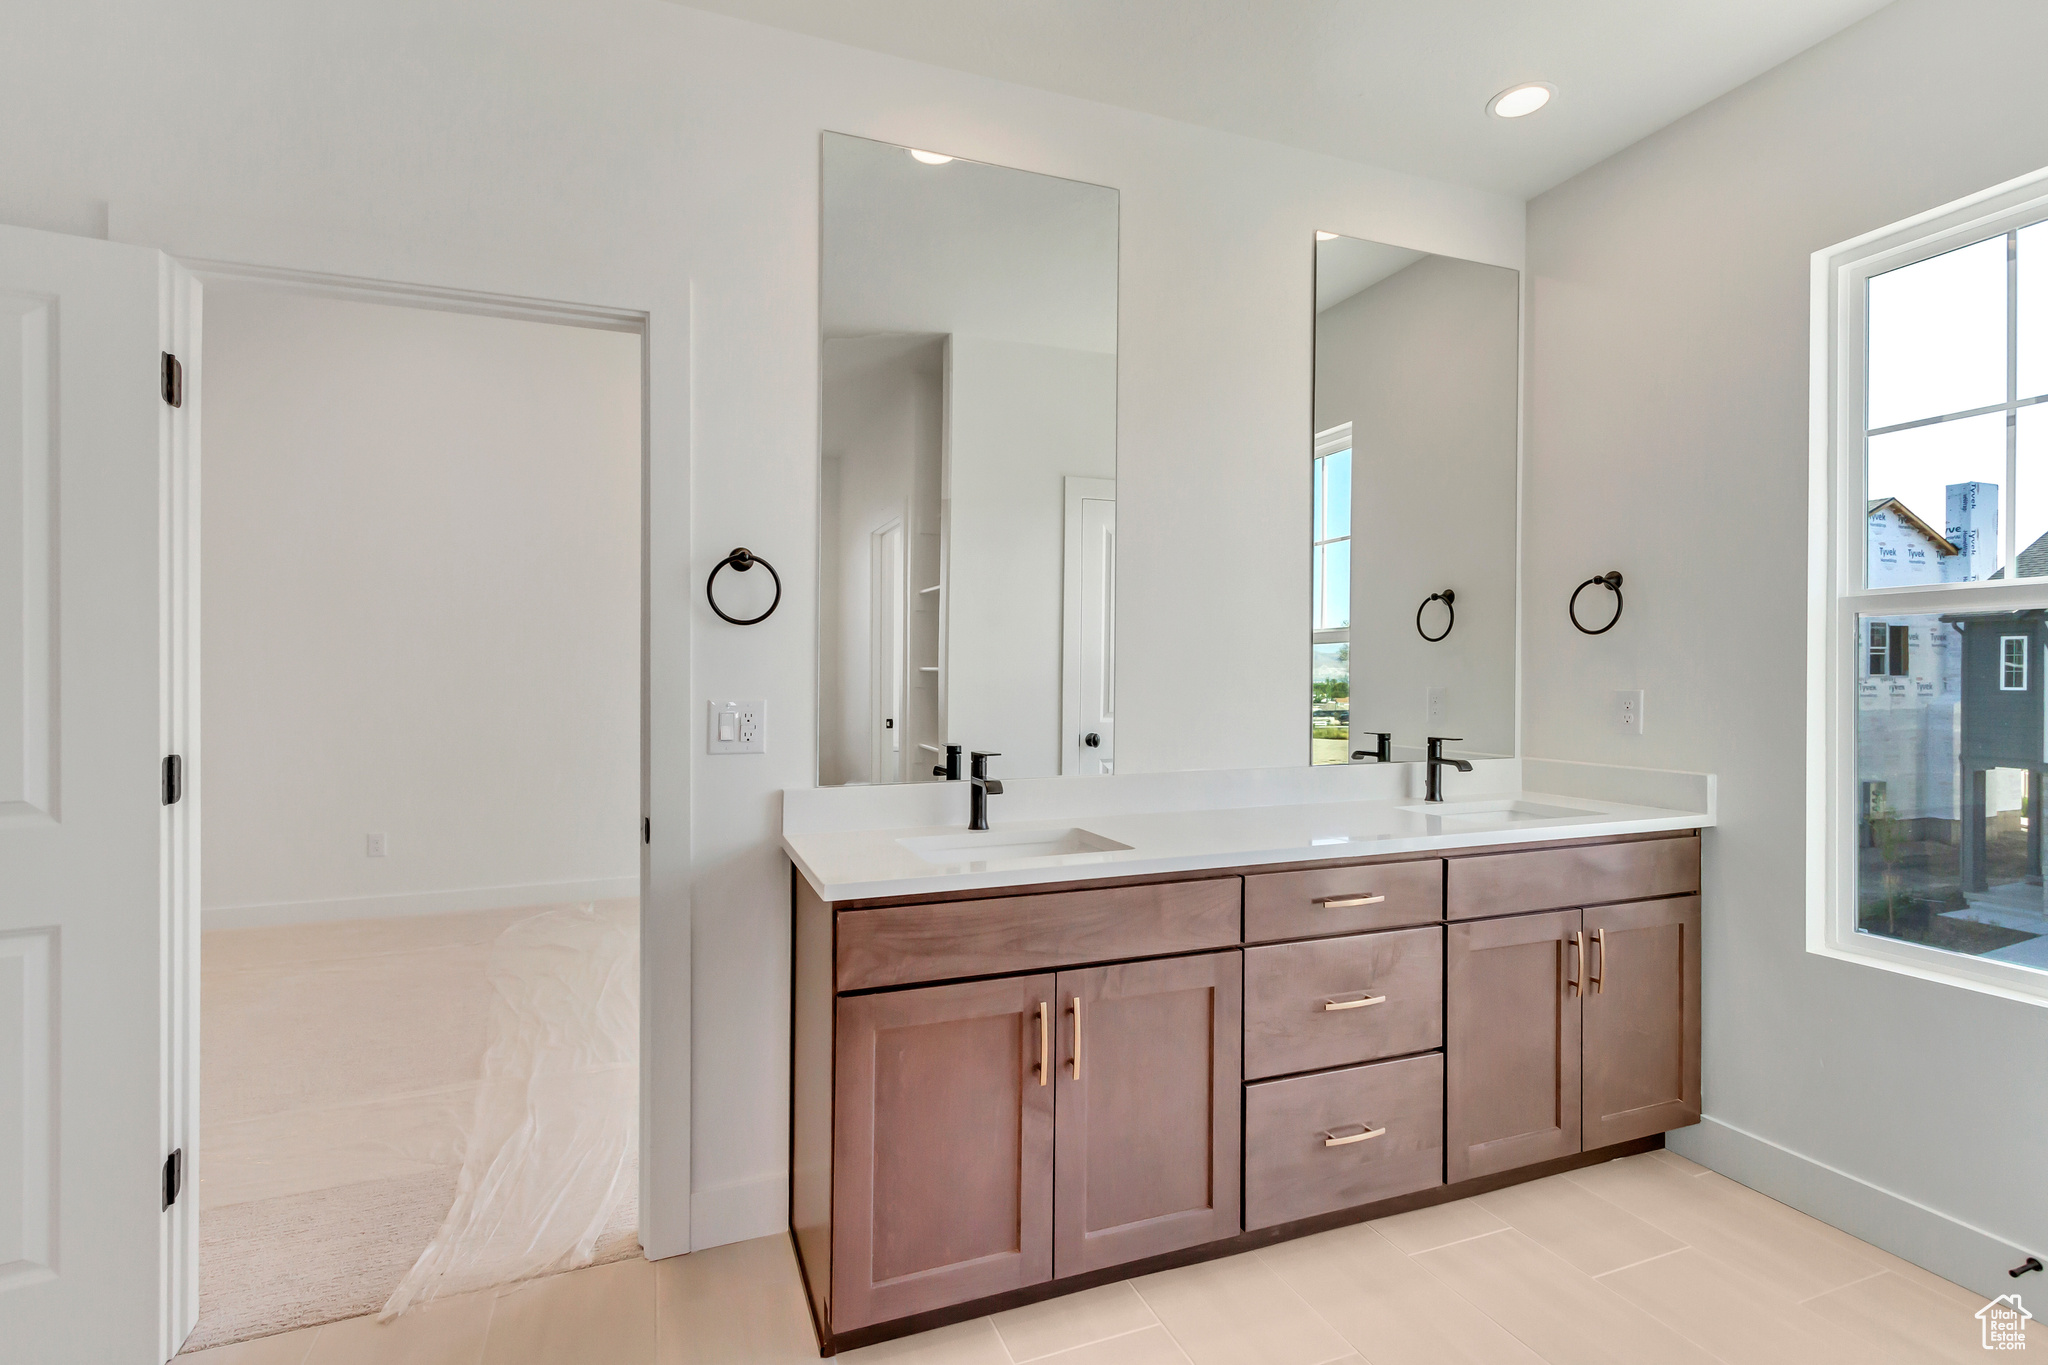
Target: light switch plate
{"type": "Point", "coordinates": [1628, 711]}
{"type": "Point", "coordinates": [375, 846]}
{"type": "Point", "coordinates": [737, 727]}
{"type": "Point", "coordinates": [1436, 706]}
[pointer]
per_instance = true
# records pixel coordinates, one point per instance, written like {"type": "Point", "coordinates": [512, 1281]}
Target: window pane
{"type": "Point", "coordinates": [1937, 335]}
{"type": "Point", "coordinates": [1947, 476]}
{"type": "Point", "coordinates": [2031, 485]}
{"type": "Point", "coordinates": [1330, 704]}
{"type": "Point", "coordinates": [1945, 757]}
{"type": "Point", "coordinates": [1337, 512]}
{"type": "Point", "coordinates": [1315, 589]}
{"type": "Point", "coordinates": [1335, 611]}
{"type": "Point", "coordinates": [2033, 263]}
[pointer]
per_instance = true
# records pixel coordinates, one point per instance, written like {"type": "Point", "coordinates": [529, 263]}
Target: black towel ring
{"type": "Point", "coordinates": [1446, 597]}
{"type": "Point", "coordinates": [741, 561]}
{"type": "Point", "coordinates": [1611, 580]}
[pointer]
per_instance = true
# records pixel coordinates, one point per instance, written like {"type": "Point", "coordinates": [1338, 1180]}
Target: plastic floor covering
{"type": "Point", "coordinates": [395, 1110]}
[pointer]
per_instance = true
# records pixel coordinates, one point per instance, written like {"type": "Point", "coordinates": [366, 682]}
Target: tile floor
{"type": "Point", "coordinates": [1641, 1261]}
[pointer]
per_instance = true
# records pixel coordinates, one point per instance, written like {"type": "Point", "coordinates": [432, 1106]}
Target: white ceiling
{"type": "Point", "coordinates": [1396, 83]}
{"type": "Point", "coordinates": [1349, 265]}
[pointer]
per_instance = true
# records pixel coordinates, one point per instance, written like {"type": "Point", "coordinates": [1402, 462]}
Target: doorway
{"type": "Point", "coordinates": [885, 612]}
{"type": "Point", "coordinates": [422, 659]}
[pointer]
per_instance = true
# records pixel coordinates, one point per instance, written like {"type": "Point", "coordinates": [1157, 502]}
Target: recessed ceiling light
{"type": "Point", "coordinates": [1326, 236]}
{"type": "Point", "coordinates": [930, 158]}
{"type": "Point", "coordinates": [1521, 100]}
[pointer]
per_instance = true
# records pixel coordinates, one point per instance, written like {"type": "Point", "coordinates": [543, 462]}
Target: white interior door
{"type": "Point", "coordinates": [1088, 673]}
{"type": "Point", "coordinates": [886, 579]}
{"type": "Point", "coordinates": [96, 943]}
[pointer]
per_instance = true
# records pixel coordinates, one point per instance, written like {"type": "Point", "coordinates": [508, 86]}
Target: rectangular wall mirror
{"type": "Point", "coordinates": [1414, 503]}
{"type": "Point", "coordinates": [967, 509]}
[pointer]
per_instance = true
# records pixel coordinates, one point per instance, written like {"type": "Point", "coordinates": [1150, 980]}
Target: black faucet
{"type": "Point", "coordinates": [984, 787]}
{"type": "Point", "coordinates": [1383, 752]}
{"type": "Point", "coordinates": [950, 769]}
{"type": "Point", "coordinates": [1433, 776]}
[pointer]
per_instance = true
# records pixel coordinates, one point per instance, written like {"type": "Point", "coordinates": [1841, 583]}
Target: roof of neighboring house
{"type": "Point", "coordinates": [2033, 561]}
{"type": "Point", "coordinates": [1941, 542]}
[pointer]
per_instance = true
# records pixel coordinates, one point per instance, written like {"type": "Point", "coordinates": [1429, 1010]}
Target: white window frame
{"type": "Point", "coordinates": [1837, 555]}
{"type": "Point", "coordinates": [1872, 648]}
{"type": "Point", "coordinates": [2005, 662]}
{"type": "Point", "coordinates": [1329, 443]}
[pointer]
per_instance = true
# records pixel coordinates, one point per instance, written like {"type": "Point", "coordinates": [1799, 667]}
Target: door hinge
{"type": "Point", "coordinates": [174, 779]}
{"type": "Point", "coordinates": [646, 830]}
{"type": "Point", "coordinates": [173, 381]}
{"type": "Point", "coordinates": [174, 1177]}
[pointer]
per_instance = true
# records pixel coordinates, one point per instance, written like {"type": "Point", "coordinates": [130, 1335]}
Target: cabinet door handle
{"type": "Point", "coordinates": [1338, 1137]}
{"type": "Point", "coordinates": [1355, 1001]}
{"type": "Point", "coordinates": [1578, 944]}
{"type": "Point", "coordinates": [1598, 980]}
{"type": "Point", "coordinates": [1075, 1010]}
{"type": "Point", "coordinates": [1044, 1041]}
{"type": "Point", "coordinates": [1340, 902]}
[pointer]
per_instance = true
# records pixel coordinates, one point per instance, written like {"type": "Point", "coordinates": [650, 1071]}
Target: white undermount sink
{"type": "Point", "coordinates": [1006, 845]}
{"type": "Point", "coordinates": [1495, 813]}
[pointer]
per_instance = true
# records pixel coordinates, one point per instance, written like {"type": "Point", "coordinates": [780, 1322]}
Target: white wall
{"type": "Point", "coordinates": [637, 154]}
{"type": "Point", "coordinates": [1021, 419]}
{"type": "Point", "coordinates": [1668, 438]}
{"type": "Point", "coordinates": [422, 602]}
{"type": "Point", "coordinates": [1425, 365]}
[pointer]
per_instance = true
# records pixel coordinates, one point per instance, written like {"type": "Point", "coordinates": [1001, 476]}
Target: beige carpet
{"type": "Point", "coordinates": [347, 1068]}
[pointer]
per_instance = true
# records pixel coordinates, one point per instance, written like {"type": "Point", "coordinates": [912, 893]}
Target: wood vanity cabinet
{"type": "Point", "coordinates": [987, 1135]}
{"type": "Point", "coordinates": [1571, 1030]}
{"type": "Point", "coordinates": [943, 1147]}
{"type": "Point", "coordinates": [1148, 1095]}
{"type": "Point", "coordinates": [1000, 1096]}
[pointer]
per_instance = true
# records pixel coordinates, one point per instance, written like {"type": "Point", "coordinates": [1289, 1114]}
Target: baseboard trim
{"type": "Point", "coordinates": [739, 1211]}
{"type": "Point", "coordinates": [402, 904]}
{"type": "Point", "coordinates": [1950, 1247]}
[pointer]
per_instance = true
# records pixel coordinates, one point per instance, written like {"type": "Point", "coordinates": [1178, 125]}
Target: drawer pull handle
{"type": "Point", "coordinates": [1343, 902]}
{"type": "Point", "coordinates": [1356, 1002]}
{"type": "Point", "coordinates": [1339, 1137]}
{"type": "Point", "coordinates": [1044, 1041]}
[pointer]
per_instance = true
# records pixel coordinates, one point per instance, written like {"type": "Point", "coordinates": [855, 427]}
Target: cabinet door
{"type": "Point", "coordinates": [1642, 1019]}
{"type": "Point", "coordinates": [1511, 1042]}
{"type": "Point", "coordinates": [943, 1137]}
{"type": "Point", "coordinates": [1150, 1090]}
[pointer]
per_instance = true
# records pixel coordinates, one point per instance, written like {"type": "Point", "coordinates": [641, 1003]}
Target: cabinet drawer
{"type": "Point", "coordinates": [1393, 1114]}
{"type": "Point", "coordinates": [902, 943]}
{"type": "Point", "coordinates": [1342, 900]}
{"type": "Point", "coordinates": [1567, 878]}
{"type": "Point", "coordinates": [1335, 1001]}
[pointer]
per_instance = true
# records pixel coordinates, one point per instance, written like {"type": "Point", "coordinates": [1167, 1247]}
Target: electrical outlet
{"type": "Point", "coordinates": [738, 727]}
{"type": "Point", "coordinates": [1629, 711]}
{"type": "Point", "coordinates": [374, 846]}
{"type": "Point", "coordinates": [1436, 707]}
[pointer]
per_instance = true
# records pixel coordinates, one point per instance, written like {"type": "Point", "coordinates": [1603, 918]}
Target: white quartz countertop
{"type": "Point", "coordinates": [865, 864]}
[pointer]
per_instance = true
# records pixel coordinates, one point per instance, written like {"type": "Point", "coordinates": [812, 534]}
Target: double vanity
{"type": "Point", "coordinates": [1056, 1023]}
{"type": "Point", "coordinates": [1158, 1019]}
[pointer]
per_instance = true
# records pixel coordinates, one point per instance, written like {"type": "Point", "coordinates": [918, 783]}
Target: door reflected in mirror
{"type": "Point", "coordinates": [967, 508]}
{"type": "Point", "coordinates": [1413, 504]}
